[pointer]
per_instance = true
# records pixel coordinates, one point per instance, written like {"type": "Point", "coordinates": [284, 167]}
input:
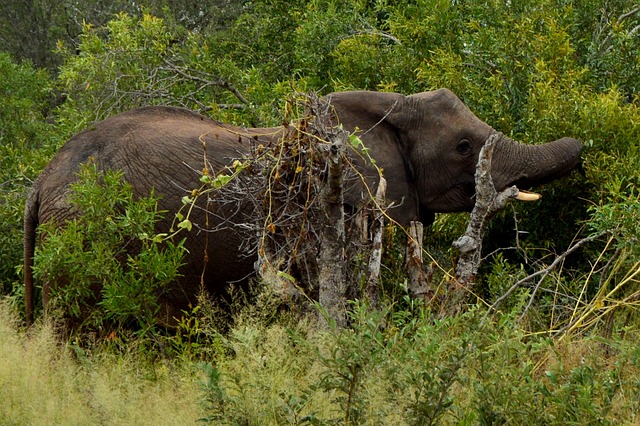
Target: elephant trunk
{"type": "Point", "coordinates": [530, 165]}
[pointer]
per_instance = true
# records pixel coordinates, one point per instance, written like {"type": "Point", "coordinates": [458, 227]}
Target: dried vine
{"type": "Point", "coordinates": [289, 187]}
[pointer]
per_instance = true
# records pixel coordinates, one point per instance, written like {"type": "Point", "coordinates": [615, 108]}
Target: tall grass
{"type": "Point", "coordinates": [406, 367]}
{"type": "Point", "coordinates": [44, 382]}
{"type": "Point", "coordinates": [393, 366]}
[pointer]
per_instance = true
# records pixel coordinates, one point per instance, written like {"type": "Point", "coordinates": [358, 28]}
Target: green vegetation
{"type": "Point", "coordinates": [45, 382]}
{"type": "Point", "coordinates": [561, 348]}
{"type": "Point", "coordinates": [26, 140]}
{"type": "Point", "coordinates": [102, 284]}
{"type": "Point", "coordinates": [390, 367]}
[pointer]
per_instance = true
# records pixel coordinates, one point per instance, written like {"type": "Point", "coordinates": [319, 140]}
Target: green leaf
{"type": "Point", "coordinates": [158, 238]}
{"type": "Point", "coordinates": [185, 224]}
{"type": "Point", "coordinates": [286, 276]}
{"type": "Point", "coordinates": [355, 141]}
{"type": "Point", "coordinates": [221, 180]}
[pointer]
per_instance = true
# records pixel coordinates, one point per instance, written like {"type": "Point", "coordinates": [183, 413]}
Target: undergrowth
{"type": "Point", "coordinates": [46, 382]}
{"type": "Point", "coordinates": [407, 367]}
{"type": "Point", "coordinates": [392, 366]}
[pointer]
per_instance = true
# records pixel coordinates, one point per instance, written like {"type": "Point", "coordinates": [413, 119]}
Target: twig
{"type": "Point", "coordinates": [544, 272]}
{"type": "Point", "coordinates": [373, 31]}
{"type": "Point", "coordinates": [628, 14]}
{"type": "Point", "coordinates": [418, 283]}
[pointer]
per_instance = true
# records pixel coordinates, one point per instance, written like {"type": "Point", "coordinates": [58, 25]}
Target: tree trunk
{"type": "Point", "coordinates": [418, 286]}
{"type": "Point", "coordinates": [488, 203]}
{"type": "Point", "coordinates": [377, 227]}
{"type": "Point", "coordinates": [331, 270]}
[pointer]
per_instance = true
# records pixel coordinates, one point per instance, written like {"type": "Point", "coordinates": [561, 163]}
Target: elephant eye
{"type": "Point", "coordinates": [464, 147]}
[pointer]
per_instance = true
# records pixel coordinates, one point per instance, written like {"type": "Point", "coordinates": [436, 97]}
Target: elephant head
{"type": "Point", "coordinates": [428, 145]}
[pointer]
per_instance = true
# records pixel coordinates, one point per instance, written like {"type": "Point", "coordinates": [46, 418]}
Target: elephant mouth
{"type": "Point", "coordinates": [464, 194]}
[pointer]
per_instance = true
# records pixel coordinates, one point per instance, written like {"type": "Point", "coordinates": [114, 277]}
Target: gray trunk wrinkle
{"type": "Point", "coordinates": [529, 165]}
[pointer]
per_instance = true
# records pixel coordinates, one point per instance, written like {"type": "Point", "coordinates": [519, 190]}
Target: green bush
{"type": "Point", "coordinates": [107, 266]}
{"type": "Point", "coordinates": [27, 141]}
{"type": "Point", "coordinates": [406, 367]}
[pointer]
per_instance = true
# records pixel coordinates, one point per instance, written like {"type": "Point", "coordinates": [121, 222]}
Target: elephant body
{"type": "Point", "coordinates": [426, 144]}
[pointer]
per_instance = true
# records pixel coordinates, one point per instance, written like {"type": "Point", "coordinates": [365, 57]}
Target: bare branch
{"type": "Point", "coordinates": [628, 14]}
{"type": "Point", "coordinates": [331, 272]}
{"type": "Point", "coordinates": [544, 272]}
{"type": "Point", "coordinates": [634, 30]}
{"type": "Point", "coordinates": [376, 251]}
{"type": "Point", "coordinates": [418, 283]}
{"type": "Point", "coordinates": [488, 203]}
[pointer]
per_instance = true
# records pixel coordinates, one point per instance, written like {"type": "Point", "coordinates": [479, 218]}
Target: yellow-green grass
{"type": "Point", "coordinates": [42, 382]}
{"type": "Point", "coordinates": [376, 372]}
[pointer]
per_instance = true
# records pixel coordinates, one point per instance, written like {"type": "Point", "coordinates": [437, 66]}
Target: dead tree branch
{"type": "Point", "coordinates": [375, 259]}
{"type": "Point", "coordinates": [542, 272]}
{"type": "Point", "coordinates": [332, 281]}
{"type": "Point", "coordinates": [418, 286]}
{"type": "Point", "coordinates": [287, 204]}
{"type": "Point", "coordinates": [488, 203]}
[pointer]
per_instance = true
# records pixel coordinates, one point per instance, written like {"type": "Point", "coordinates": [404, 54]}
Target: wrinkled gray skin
{"type": "Point", "coordinates": [427, 144]}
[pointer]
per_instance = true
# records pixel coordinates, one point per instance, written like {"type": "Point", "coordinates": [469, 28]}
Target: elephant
{"type": "Point", "coordinates": [427, 145]}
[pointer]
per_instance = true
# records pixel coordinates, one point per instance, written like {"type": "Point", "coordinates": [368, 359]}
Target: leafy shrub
{"type": "Point", "coordinates": [134, 62]}
{"type": "Point", "coordinates": [26, 143]}
{"type": "Point", "coordinates": [107, 266]}
{"type": "Point", "coordinates": [406, 367]}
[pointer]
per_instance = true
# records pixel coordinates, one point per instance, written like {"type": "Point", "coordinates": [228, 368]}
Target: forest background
{"type": "Point", "coordinates": [561, 348]}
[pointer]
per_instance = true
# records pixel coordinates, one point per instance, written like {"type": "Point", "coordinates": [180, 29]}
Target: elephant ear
{"type": "Point", "coordinates": [377, 116]}
{"type": "Point", "coordinates": [366, 110]}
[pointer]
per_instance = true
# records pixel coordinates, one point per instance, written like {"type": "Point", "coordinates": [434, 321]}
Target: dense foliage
{"type": "Point", "coordinates": [26, 140]}
{"type": "Point", "coordinates": [115, 263]}
{"type": "Point", "coordinates": [534, 70]}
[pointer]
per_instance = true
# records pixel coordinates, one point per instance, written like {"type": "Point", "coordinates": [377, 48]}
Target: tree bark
{"type": "Point", "coordinates": [331, 270]}
{"type": "Point", "coordinates": [418, 286]}
{"type": "Point", "coordinates": [375, 260]}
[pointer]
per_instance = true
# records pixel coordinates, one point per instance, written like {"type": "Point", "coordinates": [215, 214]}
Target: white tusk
{"type": "Point", "coordinates": [527, 196]}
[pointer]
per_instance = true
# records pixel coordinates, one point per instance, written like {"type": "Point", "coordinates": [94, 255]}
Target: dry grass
{"type": "Point", "coordinates": [42, 383]}
{"type": "Point", "coordinates": [285, 372]}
